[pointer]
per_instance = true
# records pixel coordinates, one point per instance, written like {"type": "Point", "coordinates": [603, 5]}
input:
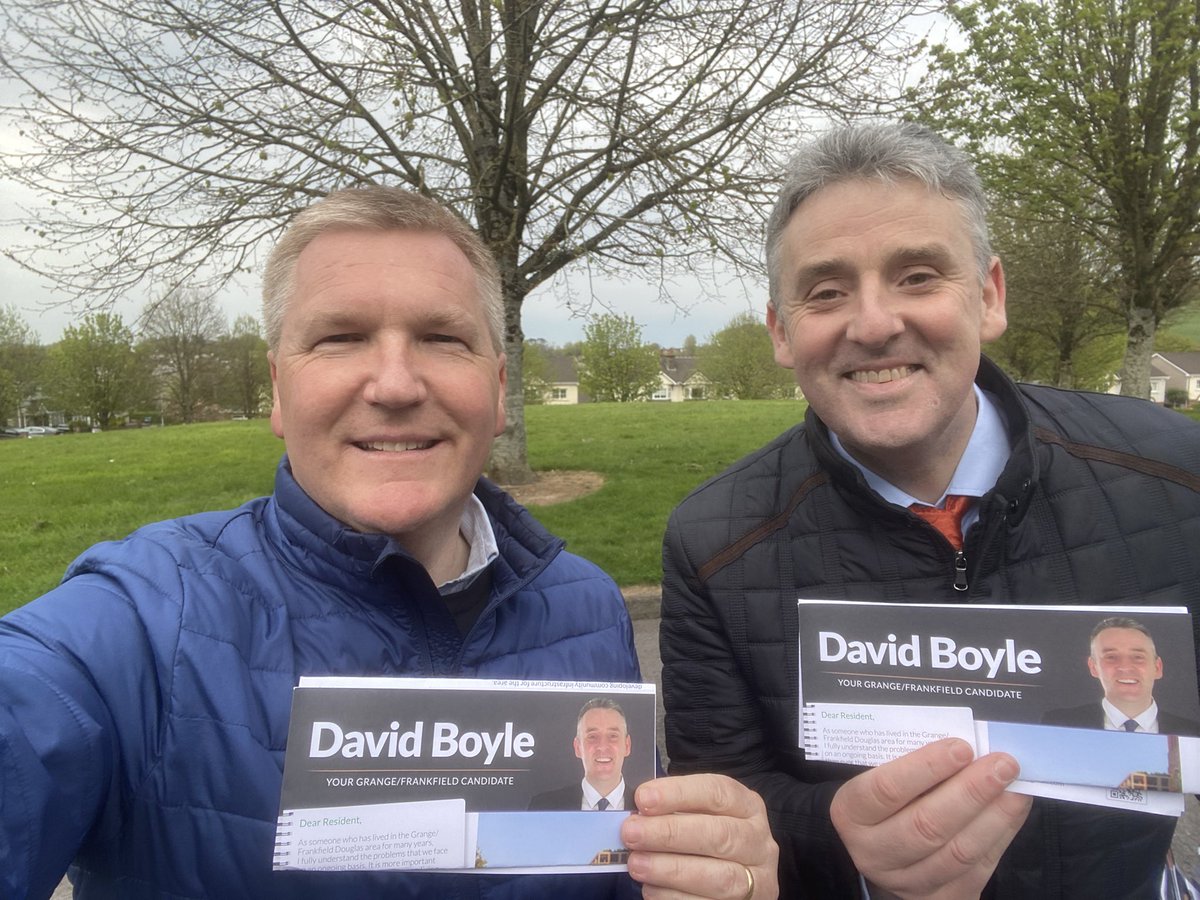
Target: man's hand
{"type": "Point", "coordinates": [931, 824]}
{"type": "Point", "coordinates": [701, 836]}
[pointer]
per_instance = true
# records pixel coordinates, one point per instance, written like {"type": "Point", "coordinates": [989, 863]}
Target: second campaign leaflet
{"type": "Point", "coordinates": [878, 680]}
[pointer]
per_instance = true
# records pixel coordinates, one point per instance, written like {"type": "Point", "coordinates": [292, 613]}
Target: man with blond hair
{"type": "Point", "coordinates": [144, 703]}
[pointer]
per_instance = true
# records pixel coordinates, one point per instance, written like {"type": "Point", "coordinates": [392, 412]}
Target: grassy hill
{"type": "Point", "coordinates": [1186, 326]}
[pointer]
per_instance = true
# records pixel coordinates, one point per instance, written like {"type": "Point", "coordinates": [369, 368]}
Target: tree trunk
{"type": "Point", "coordinates": [509, 460]}
{"type": "Point", "coordinates": [1139, 345]}
{"type": "Point", "coordinates": [1064, 376]}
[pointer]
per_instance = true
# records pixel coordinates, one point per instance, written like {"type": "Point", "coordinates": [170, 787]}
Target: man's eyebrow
{"type": "Point", "coordinates": [933, 254]}
{"type": "Point", "coordinates": [451, 319]}
{"type": "Point", "coordinates": [823, 268]}
{"type": "Point", "coordinates": [329, 319]}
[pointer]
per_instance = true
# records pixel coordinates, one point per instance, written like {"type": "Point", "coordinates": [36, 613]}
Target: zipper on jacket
{"type": "Point", "coordinates": [960, 571]}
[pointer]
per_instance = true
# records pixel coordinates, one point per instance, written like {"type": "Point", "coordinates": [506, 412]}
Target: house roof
{"type": "Point", "coordinates": [1187, 362]}
{"type": "Point", "coordinates": [563, 369]}
{"type": "Point", "coordinates": [1159, 369]}
{"type": "Point", "coordinates": [676, 367]}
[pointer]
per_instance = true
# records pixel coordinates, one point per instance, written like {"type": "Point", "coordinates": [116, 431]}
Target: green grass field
{"type": "Point", "coordinates": [59, 495]}
{"type": "Point", "coordinates": [1186, 324]}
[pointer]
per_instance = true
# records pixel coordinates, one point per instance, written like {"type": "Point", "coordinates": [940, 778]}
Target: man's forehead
{"type": "Point", "coordinates": [345, 273]}
{"type": "Point", "coordinates": [333, 253]}
{"type": "Point", "coordinates": [1116, 637]}
{"type": "Point", "coordinates": [908, 218]}
{"type": "Point", "coordinates": [601, 719]}
{"type": "Point", "coordinates": [913, 187]}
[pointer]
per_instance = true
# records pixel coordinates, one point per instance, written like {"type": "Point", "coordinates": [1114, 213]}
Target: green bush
{"type": "Point", "coordinates": [1177, 398]}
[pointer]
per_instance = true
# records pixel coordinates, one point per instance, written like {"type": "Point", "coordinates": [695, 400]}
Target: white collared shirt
{"type": "Point", "coordinates": [476, 529]}
{"type": "Point", "coordinates": [1147, 719]}
{"type": "Point", "coordinates": [591, 796]}
{"type": "Point", "coordinates": [978, 468]}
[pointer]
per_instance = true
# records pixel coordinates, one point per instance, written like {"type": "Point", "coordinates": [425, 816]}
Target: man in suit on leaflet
{"type": "Point", "coordinates": [921, 473]}
{"type": "Point", "coordinates": [1124, 660]}
{"type": "Point", "coordinates": [601, 743]}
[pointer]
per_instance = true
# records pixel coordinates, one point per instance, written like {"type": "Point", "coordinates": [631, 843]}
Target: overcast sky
{"type": "Point", "coordinates": [555, 313]}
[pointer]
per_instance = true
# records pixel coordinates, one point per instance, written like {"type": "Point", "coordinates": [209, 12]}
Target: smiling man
{"type": "Point", "coordinates": [144, 703]}
{"type": "Point", "coordinates": [1124, 660]}
{"type": "Point", "coordinates": [601, 743]}
{"type": "Point", "coordinates": [921, 473]}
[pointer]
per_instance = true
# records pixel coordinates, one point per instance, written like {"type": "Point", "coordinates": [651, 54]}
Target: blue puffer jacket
{"type": "Point", "coordinates": [144, 702]}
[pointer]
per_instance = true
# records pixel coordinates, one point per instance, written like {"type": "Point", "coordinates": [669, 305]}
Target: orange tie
{"type": "Point", "coordinates": [948, 520]}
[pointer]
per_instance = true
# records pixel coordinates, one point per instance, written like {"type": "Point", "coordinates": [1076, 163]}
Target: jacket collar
{"type": "Point", "coordinates": [327, 550]}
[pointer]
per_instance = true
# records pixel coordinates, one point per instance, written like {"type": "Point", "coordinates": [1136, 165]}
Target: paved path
{"type": "Point", "coordinates": [645, 634]}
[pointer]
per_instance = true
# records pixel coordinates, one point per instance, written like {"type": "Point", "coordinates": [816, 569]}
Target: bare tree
{"type": "Point", "coordinates": [174, 137]}
{"type": "Point", "coordinates": [180, 331]}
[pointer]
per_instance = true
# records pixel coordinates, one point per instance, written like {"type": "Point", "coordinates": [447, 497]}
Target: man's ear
{"type": "Point", "coordinates": [276, 411]}
{"type": "Point", "coordinates": [1092, 667]}
{"type": "Point", "coordinates": [578, 749]}
{"type": "Point", "coordinates": [501, 411]}
{"type": "Point", "coordinates": [777, 326]}
{"type": "Point", "coordinates": [994, 318]}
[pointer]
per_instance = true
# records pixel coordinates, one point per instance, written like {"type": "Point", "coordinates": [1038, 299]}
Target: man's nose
{"type": "Point", "coordinates": [395, 376]}
{"type": "Point", "coordinates": [875, 320]}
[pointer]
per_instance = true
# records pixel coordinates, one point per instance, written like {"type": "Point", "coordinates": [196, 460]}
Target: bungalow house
{"type": "Point", "coordinates": [34, 411]}
{"type": "Point", "coordinates": [563, 380]}
{"type": "Point", "coordinates": [1177, 371]}
{"type": "Point", "coordinates": [678, 378]}
{"type": "Point", "coordinates": [1158, 382]}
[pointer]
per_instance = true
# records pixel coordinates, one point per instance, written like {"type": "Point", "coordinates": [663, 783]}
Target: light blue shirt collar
{"type": "Point", "coordinates": [476, 529]}
{"type": "Point", "coordinates": [978, 470]}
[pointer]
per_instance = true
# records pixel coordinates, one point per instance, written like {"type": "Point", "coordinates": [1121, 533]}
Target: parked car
{"type": "Point", "coordinates": [39, 431]}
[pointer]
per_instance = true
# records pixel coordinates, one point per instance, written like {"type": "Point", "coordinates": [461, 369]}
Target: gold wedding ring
{"type": "Point", "coordinates": [749, 883]}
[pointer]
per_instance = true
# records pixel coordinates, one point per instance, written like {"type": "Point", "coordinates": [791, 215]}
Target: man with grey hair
{"type": "Point", "coordinates": [921, 473]}
{"type": "Point", "coordinates": [144, 703]}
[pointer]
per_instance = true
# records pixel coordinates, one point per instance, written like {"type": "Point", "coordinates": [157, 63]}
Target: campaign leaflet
{"type": "Point", "coordinates": [878, 680]}
{"type": "Point", "coordinates": [454, 774]}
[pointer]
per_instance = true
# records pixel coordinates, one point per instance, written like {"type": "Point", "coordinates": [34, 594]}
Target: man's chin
{"type": "Point", "coordinates": [375, 515]}
{"type": "Point", "coordinates": [1140, 701]}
